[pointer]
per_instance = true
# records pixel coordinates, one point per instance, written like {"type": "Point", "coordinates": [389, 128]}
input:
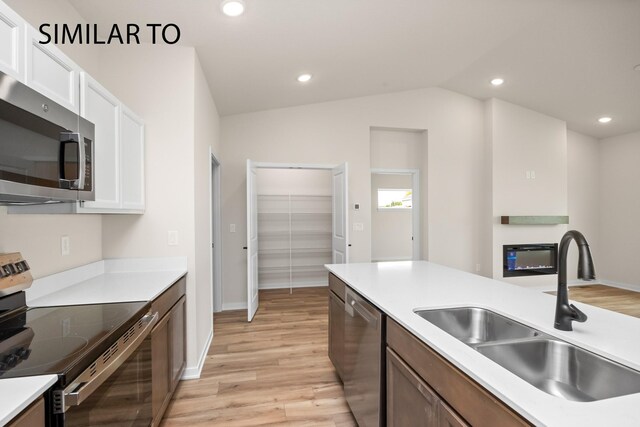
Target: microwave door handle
{"type": "Point", "coordinates": [82, 164]}
{"type": "Point", "coordinates": [76, 138]}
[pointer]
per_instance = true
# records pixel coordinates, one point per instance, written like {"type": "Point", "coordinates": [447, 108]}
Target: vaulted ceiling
{"type": "Point", "coordinates": [572, 59]}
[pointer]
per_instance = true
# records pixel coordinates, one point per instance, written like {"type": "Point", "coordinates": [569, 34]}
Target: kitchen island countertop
{"type": "Point", "coordinates": [398, 288]}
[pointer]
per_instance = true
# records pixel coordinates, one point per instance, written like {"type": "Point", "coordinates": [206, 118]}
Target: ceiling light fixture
{"type": "Point", "coordinates": [604, 119]}
{"type": "Point", "coordinates": [497, 81]}
{"type": "Point", "coordinates": [232, 7]}
{"type": "Point", "coordinates": [303, 78]}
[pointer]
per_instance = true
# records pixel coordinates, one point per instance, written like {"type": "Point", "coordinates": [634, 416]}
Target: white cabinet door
{"type": "Point", "coordinates": [132, 160]}
{"type": "Point", "coordinates": [103, 110]}
{"type": "Point", "coordinates": [51, 72]}
{"type": "Point", "coordinates": [12, 36]}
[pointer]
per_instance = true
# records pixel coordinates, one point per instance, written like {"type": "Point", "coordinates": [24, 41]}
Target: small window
{"type": "Point", "coordinates": [394, 198]}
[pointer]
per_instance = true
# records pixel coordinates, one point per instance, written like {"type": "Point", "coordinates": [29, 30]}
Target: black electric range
{"type": "Point", "coordinates": [92, 350]}
{"type": "Point", "coordinates": [56, 340]}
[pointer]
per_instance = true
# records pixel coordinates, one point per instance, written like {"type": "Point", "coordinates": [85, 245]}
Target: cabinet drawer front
{"type": "Point", "coordinates": [337, 286]}
{"type": "Point", "coordinates": [164, 302]}
{"type": "Point", "coordinates": [465, 396]}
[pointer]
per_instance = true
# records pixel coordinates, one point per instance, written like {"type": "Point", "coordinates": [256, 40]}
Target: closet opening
{"type": "Point", "coordinates": [296, 223]}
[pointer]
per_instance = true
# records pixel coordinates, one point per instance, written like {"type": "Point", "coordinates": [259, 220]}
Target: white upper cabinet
{"type": "Point", "coordinates": [119, 152]}
{"type": "Point", "coordinates": [12, 39]}
{"type": "Point", "coordinates": [51, 72]}
{"type": "Point", "coordinates": [132, 160]}
{"type": "Point", "coordinates": [103, 110]}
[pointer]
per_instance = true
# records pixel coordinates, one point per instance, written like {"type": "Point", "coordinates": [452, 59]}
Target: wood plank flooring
{"type": "Point", "coordinates": [615, 299]}
{"type": "Point", "coordinates": [272, 371]}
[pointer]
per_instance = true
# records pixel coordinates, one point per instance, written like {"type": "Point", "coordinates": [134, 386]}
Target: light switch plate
{"type": "Point", "coordinates": [232, 228]}
{"type": "Point", "coordinates": [172, 238]}
{"type": "Point", "coordinates": [358, 226]}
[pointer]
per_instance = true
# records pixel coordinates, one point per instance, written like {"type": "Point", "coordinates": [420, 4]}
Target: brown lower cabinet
{"type": "Point", "coordinates": [167, 347]}
{"type": "Point", "coordinates": [336, 323]}
{"type": "Point", "coordinates": [411, 402]}
{"type": "Point", "coordinates": [424, 389]}
{"type": "Point", "coordinates": [33, 416]}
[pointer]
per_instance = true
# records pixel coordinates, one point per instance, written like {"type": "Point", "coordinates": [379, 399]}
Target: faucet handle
{"type": "Point", "coordinates": [578, 315]}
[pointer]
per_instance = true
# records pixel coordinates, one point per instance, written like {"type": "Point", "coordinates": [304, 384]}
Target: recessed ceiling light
{"type": "Point", "coordinates": [497, 81]}
{"type": "Point", "coordinates": [604, 119]}
{"type": "Point", "coordinates": [303, 78]}
{"type": "Point", "coordinates": [232, 7]}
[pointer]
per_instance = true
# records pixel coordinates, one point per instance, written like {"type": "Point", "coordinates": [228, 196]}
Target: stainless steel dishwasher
{"type": "Point", "coordinates": [364, 378]}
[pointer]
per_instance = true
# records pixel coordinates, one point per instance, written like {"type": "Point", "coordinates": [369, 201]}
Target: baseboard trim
{"type": "Point", "coordinates": [193, 373]}
{"type": "Point", "coordinates": [228, 306]}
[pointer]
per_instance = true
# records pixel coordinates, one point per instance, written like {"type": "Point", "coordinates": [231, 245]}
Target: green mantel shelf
{"type": "Point", "coordinates": [535, 220]}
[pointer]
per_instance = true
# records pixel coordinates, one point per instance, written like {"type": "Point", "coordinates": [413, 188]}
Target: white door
{"type": "Point", "coordinates": [252, 242]}
{"type": "Point", "coordinates": [340, 209]}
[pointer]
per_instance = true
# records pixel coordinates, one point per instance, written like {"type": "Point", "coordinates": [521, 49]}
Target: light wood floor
{"type": "Point", "coordinates": [614, 299]}
{"type": "Point", "coordinates": [272, 371]}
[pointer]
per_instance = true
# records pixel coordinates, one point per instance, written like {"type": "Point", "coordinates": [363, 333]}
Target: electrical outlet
{"type": "Point", "coordinates": [65, 245]}
{"type": "Point", "coordinates": [172, 238]}
{"type": "Point", "coordinates": [232, 228]}
{"type": "Point", "coordinates": [477, 268]}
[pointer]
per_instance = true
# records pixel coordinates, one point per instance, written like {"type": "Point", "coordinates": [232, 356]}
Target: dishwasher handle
{"type": "Point", "coordinates": [352, 306]}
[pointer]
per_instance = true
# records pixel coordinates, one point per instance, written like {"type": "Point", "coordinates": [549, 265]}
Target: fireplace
{"type": "Point", "coordinates": [530, 259]}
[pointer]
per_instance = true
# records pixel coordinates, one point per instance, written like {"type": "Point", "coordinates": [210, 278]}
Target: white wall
{"type": "Point", "coordinates": [206, 138]}
{"type": "Point", "coordinates": [617, 259]}
{"type": "Point", "coordinates": [335, 132]}
{"type": "Point", "coordinates": [181, 123]}
{"type": "Point", "coordinates": [521, 140]}
{"type": "Point", "coordinates": [37, 237]}
{"type": "Point", "coordinates": [584, 182]}
{"type": "Point", "coordinates": [397, 148]}
{"type": "Point", "coordinates": [315, 182]}
{"type": "Point", "coordinates": [391, 229]}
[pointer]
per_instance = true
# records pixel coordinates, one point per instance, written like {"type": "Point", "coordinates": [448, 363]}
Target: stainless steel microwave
{"type": "Point", "coordinates": [46, 151]}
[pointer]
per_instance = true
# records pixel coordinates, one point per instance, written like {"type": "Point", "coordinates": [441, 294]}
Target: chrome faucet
{"type": "Point", "coordinates": [565, 312]}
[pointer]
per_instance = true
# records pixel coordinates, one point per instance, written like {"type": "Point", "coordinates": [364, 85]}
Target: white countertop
{"type": "Point", "coordinates": [107, 281]}
{"type": "Point", "coordinates": [18, 393]}
{"type": "Point", "coordinates": [397, 288]}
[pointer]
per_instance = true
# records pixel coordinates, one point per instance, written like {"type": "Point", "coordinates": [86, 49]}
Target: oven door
{"type": "Point", "coordinates": [113, 391]}
{"type": "Point", "coordinates": [46, 151]}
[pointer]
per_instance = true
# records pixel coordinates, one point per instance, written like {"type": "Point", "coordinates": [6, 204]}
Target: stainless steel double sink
{"type": "Point", "coordinates": [546, 362]}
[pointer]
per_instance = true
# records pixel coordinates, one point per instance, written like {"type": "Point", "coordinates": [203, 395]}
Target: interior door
{"type": "Point", "coordinates": [252, 242]}
{"type": "Point", "coordinates": [340, 210]}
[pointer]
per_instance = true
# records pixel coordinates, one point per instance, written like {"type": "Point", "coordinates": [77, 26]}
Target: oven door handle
{"type": "Point", "coordinates": [80, 392]}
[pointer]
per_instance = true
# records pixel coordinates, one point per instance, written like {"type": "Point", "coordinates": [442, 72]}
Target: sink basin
{"type": "Point", "coordinates": [564, 370]}
{"type": "Point", "coordinates": [473, 325]}
{"type": "Point", "coordinates": [548, 363]}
